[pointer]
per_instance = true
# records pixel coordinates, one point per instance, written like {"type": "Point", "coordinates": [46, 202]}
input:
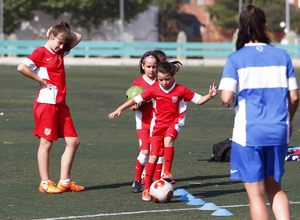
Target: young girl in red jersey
{"type": "Point", "coordinates": [167, 97]}
{"type": "Point", "coordinates": [143, 115]}
{"type": "Point", "coordinates": [51, 114]}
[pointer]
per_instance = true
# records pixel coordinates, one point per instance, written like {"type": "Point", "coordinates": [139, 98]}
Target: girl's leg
{"type": "Point", "coordinates": [150, 168]}
{"type": "Point", "coordinates": [278, 199]}
{"type": "Point", "coordinates": [65, 184]}
{"type": "Point", "coordinates": [168, 154]}
{"type": "Point", "coordinates": [256, 194]}
{"type": "Point", "coordinates": [140, 163]}
{"type": "Point", "coordinates": [43, 157]}
{"type": "Point", "coordinates": [72, 144]}
{"type": "Point", "coordinates": [158, 168]}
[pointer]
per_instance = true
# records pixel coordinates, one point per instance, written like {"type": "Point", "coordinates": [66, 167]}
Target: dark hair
{"type": "Point", "coordinates": [168, 67]}
{"type": "Point", "coordinates": [64, 30]}
{"type": "Point", "coordinates": [252, 27]}
{"type": "Point", "coordinates": [146, 55]}
{"type": "Point", "coordinates": [161, 55]}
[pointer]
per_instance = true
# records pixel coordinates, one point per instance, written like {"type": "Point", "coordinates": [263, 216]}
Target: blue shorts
{"type": "Point", "coordinates": [254, 164]}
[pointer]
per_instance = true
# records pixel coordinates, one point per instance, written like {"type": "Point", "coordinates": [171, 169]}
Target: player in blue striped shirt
{"type": "Point", "coordinates": [259, 79]}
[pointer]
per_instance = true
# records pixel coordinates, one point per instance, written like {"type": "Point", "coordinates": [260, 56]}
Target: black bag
{"type": "Point", "coordinates": [221, 151]}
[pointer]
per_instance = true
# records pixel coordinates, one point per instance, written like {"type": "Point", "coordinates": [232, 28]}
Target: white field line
{"type": "Point", "coordinates": [144, 212]}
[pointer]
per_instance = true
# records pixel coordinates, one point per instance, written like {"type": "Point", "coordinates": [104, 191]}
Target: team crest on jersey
{"type": "Point", "coordinates": [47, 131]}
{"type": "Point", "coordinates": [259, 48]}
{"type": "Point", "coordinates": [174, 99]}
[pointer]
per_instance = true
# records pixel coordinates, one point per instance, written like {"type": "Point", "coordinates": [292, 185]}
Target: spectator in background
{"type": "Point", "coordinates": [260, 81]}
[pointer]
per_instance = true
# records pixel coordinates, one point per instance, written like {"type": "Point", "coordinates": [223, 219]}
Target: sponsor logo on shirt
{"type": "Point", "coordinates": [48, 59]}
{"type": "Point", "coordinates": [174, 99]}
{"type": "Point", "coordinates": [47, 131]}
{"type": "Point", "coordinates": [233, 171]}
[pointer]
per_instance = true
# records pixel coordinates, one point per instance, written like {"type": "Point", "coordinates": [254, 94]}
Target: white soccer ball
{"type": "Point", "coordinates": [161, 191]}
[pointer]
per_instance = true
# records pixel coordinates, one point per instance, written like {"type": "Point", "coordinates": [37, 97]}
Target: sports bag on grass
{"type": "Point", "coordinates": [221, 151]}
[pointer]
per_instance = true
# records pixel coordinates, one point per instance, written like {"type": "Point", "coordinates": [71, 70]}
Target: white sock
{"type": "Point", "coordinates": [65, 181]}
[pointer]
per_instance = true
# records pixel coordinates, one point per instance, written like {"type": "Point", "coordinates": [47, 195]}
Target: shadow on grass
{"type": "Point", "coordinates": [189, 186]}
{"type": "Point", "coordinates": [194, 185]}
{"type": "Point", "coordinates": [109, 186]}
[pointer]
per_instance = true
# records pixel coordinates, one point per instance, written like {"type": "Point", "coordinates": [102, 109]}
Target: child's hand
{"type": "Point", "coordinates": [43, 83]}
{"type": "Point", "coordinates": [48, 33]}
{"type": "Point", "coordinates": [213, 90]}
{"type": "Point", "coordinates": [135, 107]}
{"type": "Point", "coordinates": [115, 113]}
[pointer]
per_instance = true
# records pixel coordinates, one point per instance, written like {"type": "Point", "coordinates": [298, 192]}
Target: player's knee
{"type": "Point", "coordinates": [145, 152]}
{"type": "Point", "coordinates": [142, 158]}
{"type": "Point", "coordinates": [153, 158]}
{"type": "Point", "coordinates": [45, 144]}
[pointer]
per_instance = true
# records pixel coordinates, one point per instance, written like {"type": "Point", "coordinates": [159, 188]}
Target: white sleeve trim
{"type": "Point", "coordinates": [28, 62]}
{"type": "Point", "coordinates": [196, 98]}
{"type": "Point", "coordinates": [292, 83]}
{"type": "Point", "coordinates": [138, 99]}
{"type": "Point", "coordinates": [228, 84]}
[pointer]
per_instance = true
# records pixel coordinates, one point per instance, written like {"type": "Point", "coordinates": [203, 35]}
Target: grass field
{"type": "Point", "coordinates": [106, 158]}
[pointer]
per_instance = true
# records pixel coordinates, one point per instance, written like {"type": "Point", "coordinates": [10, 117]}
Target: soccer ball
{"type": "Point", "coordinates": [134, 91]}
{"type": "Point", "coordinates": [161, 191]}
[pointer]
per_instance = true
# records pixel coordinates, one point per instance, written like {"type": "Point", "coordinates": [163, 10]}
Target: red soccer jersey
{"type": "Point", "coordinates": [50, 67]}
{"type": "Point", "coordinates": [168, 104]}
{"type": "Point", "coordinates": [144, 115]}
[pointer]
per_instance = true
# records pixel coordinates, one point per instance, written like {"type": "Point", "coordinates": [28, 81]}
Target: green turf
{"type": "Point", "coordinates": [106, 158]}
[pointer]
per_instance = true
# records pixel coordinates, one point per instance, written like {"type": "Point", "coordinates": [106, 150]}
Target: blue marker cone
{"type": "Point", "coordinates": [180, 192]}
{"type": "Point", "coordinates": [222, 212]}
{"type": "Point", "coordinates": [210, 207]}
{"type": "Point", "coordinates": [196, 201]}
{"type": "Point", "coordinates": [186, 197]}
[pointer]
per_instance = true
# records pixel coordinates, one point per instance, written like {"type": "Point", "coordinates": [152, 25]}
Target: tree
{"type": "Point", "coordinates": [91, 13]}
{"type": "Point", "coordinates": [83, 13]}
{"type": "Point", "coordinates": [225, 14]}
{"type": "Point", "coordinates": [14, 12]}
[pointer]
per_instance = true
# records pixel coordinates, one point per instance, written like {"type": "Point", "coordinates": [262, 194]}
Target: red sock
{"type": "Point", "coordinates": [168, 158]}
{"type": "Point", "coordinates": [157, 173]}
{"type": "Point", "coordinates": [150, 168]}
{"type": "Point", "coordinates": [138, 170]}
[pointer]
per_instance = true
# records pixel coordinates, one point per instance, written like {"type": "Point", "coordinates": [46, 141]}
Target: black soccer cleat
{"type": "Point", "coordinates": [136, 186]}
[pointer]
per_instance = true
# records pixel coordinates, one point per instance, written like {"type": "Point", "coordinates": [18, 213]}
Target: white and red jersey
{"type": "Point", "coordinates": [50, 67]}
{"type": "Point", "coordinates": [143, 115]}
{"type": "Point", "coordinates": [169, 105]}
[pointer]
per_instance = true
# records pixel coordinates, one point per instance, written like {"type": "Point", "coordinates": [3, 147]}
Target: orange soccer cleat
{"type": "Point", "coordinates": [146, 196]}
{"type": "Point", "coordinates": [49, 188]}
{"type": "Point", "coordinates": [70, 187]}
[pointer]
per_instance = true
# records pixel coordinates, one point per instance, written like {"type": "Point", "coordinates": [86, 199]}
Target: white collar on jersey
{"type": "Point", "coordinates": [149, 81]}
{"type": "Point", "coordinates": [169, 90]}
{"type": "Point", "coordinates": [255, 44]}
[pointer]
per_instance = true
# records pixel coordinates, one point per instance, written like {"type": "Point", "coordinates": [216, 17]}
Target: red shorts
{"type": "Point", "coordinates": [144, 138]}
{"type": "Point", "coordinates": [157, 139]}
{"type": "Point", "coordinates": [53, 121]}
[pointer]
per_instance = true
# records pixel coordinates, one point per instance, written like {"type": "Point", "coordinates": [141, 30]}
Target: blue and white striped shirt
{"type": "Point", "coordinates": [261, 76]}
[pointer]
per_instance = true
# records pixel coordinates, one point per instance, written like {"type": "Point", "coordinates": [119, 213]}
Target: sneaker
{"type": "Point", "coordinates": [49, 188]}
{"type": "Point", "coordinates": [146, 196]}
{"type": "Point", "coordinates": [168, 177]}
{"type": "Point", "coordinates": [70, 187]}
{"type": "Point", "coordinates": [136, 186]}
